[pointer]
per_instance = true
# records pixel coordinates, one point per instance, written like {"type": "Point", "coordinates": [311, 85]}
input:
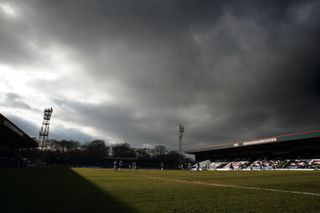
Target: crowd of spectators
{"type": "Point", "coordinates": [261, 164]}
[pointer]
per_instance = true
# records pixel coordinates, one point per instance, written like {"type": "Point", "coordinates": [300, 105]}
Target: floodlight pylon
{"type": "Point", "coordinates": [44, 131]}
{"type": "Point", "coordinates": [181, 131]}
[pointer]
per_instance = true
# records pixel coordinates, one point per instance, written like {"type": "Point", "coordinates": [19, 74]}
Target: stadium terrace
{"type": "Point", "coordinates": [13, 139]}
{"type": "Point", "coordinates": [302, 145]}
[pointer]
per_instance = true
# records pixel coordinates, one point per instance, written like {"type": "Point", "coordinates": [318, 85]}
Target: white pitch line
{"type": "Point", "coordinates": [231, 186]}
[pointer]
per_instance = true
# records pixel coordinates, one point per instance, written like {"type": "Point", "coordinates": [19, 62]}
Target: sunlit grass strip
{"type": "Point", "coordinates": [229, 186]}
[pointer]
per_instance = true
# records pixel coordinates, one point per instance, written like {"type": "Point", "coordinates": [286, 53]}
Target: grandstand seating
{"type": "Point", "coordinates": [275, 164]}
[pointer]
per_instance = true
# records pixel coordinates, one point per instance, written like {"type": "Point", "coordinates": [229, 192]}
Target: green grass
{"type": "Point", "coordinates": [102, 190]}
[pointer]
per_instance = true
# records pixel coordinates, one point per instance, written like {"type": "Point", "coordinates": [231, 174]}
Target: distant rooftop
{"type": "Point", "coordinates": [273, 139]}
{"type": "Point", "coordinates": [13, 136]}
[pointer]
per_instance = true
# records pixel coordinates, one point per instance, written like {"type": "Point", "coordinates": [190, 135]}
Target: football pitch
{"type": "Point", "coordinates": [63, 189]}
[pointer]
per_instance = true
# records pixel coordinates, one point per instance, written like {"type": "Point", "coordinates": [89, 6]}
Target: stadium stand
{"type": "Point", "coordinates": [295, 164]}
{"type": "Point", "coordinates": [12, 140]}
{"type": "Point", "coordinates": [290, 151]}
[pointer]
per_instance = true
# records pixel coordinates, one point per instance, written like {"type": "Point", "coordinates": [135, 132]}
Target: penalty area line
{"type": "Point", "coordinates": [230, 186]}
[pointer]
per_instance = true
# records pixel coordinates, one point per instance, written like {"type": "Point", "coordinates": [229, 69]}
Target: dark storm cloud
{"type": "Point", "coordinates": [15, 36]}
{"type": "Point", "coordinates": [25, 125]}
{"type": "Point", "coordinates": [14, 100]}
{"type": "Point", "coordinates": [228, 70]}
{"type": "Point", "coordinates": [130, 123]}
{"type": "Point", "coordinates": [60, 133]}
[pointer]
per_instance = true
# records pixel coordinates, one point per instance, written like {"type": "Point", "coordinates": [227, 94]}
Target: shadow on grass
{"type": "Point", "coordinates": [53, 190]}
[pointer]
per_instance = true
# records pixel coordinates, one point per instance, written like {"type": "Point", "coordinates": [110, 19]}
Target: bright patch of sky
{"type": "Point", "coordinates": [8, 9]}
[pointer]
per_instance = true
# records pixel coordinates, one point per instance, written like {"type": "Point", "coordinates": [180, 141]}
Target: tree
{"type": "Point", "coordinates": [54, 145]}
{"type": "Point", "coordinates": [159, 150]}
{"type": "Point", "coordinates": [97, 148]}
{"type": "Point", "coordinates": [67, 146]}
{"type": "Point", "coordinates": [143, 153]}
{"type": "Point", "coordinates": [123, 150]}
{"type": "Point", "coordinates": [63, 146]}
{"type": "Point", "coordinates": [174, 156]}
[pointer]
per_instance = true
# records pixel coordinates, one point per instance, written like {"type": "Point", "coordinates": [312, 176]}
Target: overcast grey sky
{"type": "Point", "coordinates": [131, 71]}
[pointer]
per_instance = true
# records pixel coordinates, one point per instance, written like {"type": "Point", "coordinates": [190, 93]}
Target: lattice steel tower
{"type": "Point", "coordinates": [181, 131]}
{"type": "Point", "coordinates": [44, 131]}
